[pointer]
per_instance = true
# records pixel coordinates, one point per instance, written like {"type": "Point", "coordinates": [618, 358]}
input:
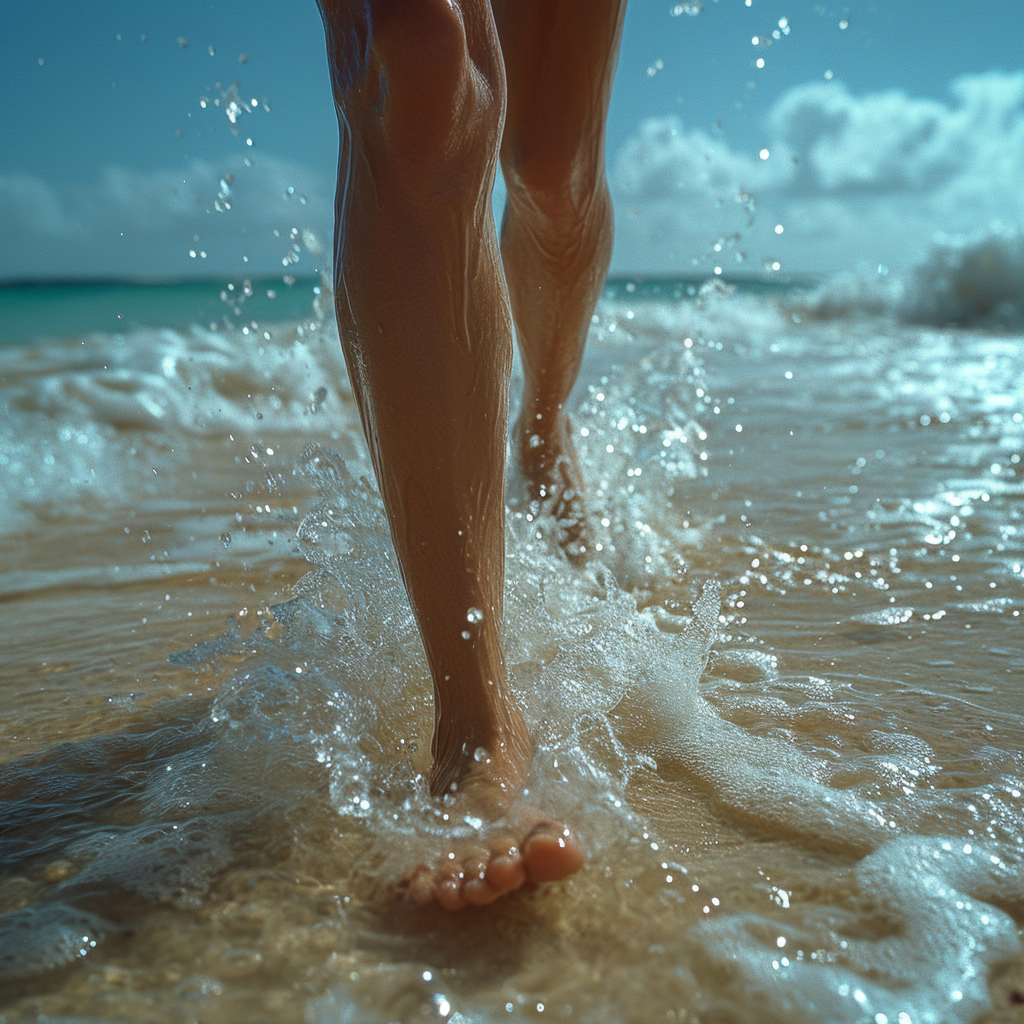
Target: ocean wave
{"type": "Point", "coordinates": [198, 380]}
{"type": "Point", "coordinates": [117, 416]}
{"type": "Point", "coordinates": [965, 283]}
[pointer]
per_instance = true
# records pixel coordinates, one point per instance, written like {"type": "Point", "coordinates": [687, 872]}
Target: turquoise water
{"type": "Point", "coordinates": [33, 310]}
{"type": "Point", "coordinates": [30, 311]}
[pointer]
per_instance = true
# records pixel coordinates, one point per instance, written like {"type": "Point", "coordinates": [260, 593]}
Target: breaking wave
{"type": "Point", "coordinates": [964, 283]}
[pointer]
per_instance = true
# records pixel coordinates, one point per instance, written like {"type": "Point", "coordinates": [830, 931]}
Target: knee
{"type": "Point", "coordinates": [442, 77]}
{"type": "Point", "coordinates": [553, 161]}
{"type": "Point", "coordinates": [564, 188]}
{"type": "Point", "coordinates": [421, 43]}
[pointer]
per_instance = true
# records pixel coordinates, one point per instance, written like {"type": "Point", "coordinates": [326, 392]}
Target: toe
{"type": "Point", "coordinates": [419, 887]}
{"type": "Point", "coordinates": [491, 874]}
{"type": "Point", "coordinates": [479, 893]}
{"type": "Point", "coordinates": [475, 889]}
{"type": "Point", "coordinates": [551, 852]}
{"type": "Point", "coordinates": [448, 893]}
{"type": "Point", "coordinates": [474, 863]}
{"type": "Point", "coordinates": [506, 872]}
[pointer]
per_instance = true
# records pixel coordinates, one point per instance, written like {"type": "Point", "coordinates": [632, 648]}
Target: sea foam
{"type": "Point", "coordinates": [975, 282]}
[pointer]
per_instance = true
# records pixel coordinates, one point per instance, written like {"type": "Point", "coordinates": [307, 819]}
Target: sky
{"type": "Point", "coordinates": [755, 136]}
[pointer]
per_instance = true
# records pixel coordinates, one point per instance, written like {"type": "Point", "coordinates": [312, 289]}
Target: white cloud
{"type": "Point", "coordinates": [131, 222]}
{"type": "Point", "coordinates": [853, 180]}
{"type": "Point", "coordinates": [850, 179]}
{"type": "Point", "coordinates": [888, 142]}
{"type": "Point", "coordinates": [882, 143]}
{"type": "Point", "coordinates": [28, 206]}
{"type": "Point", "coordinates": [665, 162]}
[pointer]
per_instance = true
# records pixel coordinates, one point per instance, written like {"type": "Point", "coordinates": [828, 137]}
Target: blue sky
{"type": "Point", "coordinates": [884, 123]}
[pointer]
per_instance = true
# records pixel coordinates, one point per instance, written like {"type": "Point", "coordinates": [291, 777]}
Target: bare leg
{"type": "Point", "coordinates": [556, 235]}
{"type": "Point", "coordinates": [425, 326]}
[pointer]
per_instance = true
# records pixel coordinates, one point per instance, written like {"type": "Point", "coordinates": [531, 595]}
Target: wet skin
{"type": "Point", "coordinates": [429, 94]}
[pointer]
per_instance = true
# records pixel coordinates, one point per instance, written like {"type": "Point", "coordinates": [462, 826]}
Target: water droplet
{"type": "Point", "coordinates": [535, 441]}
{"type": "Point", "coordinates": [474, 615]}
{"type": "Point", "coordinates": [466, 634]}
{"type": "Point", "coordinates": [480, 755]}
{"type": "Point", "coordinates": [225, 539]}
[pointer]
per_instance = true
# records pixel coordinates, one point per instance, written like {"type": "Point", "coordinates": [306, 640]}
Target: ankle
{"type": "Point", "coordinates": [500, 753]}
{"type": "Point", "coordinates": [543, 419]}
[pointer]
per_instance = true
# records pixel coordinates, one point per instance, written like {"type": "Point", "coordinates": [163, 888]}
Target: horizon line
{"type": "Point", "coordinates": [219, 279]}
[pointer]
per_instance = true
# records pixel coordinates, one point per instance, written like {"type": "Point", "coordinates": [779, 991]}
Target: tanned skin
{"type": "Point", "coordinates": [430, 94]}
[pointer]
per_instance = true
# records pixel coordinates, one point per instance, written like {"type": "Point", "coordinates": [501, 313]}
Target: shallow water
{"type": "Point", "coordinates": [782, 705]}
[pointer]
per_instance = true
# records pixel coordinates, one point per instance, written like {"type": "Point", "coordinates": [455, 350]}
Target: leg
{"type": "Point", "coordinates": [556, 235]}
{"type": "Point", "coordinates": [424, 321]}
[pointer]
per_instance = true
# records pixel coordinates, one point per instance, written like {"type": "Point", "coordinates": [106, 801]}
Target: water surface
{"type": "Point", "coordinates": [782, 705]}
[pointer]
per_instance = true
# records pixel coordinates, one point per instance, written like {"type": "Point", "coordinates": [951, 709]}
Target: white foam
{"type": "Point", "coordinates": [923, 959]}
{"type": "Point", "coordinates": [578, 647]}
{"type": "Point", "coordinates": [110, 418]}
{"type": "Point", "coordinates": [976, 282]}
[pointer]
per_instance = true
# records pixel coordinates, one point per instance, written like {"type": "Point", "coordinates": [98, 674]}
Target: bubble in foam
{"type": "Point", "coordinates": [577, 646]}
{"type": "Point", "coordinates": [39, 938]}
{"type": "Point", "coordinates": [927, 957]}
{"type": "Point", "coordinates": [571, 639]}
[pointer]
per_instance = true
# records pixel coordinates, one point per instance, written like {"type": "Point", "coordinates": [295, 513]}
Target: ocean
{"type": "Point", "coordinates": [783, 704]}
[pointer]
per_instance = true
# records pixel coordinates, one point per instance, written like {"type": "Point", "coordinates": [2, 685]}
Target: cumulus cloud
{"type": "Point", "coordinates": [28, 206]}
{"type": "Point", "coordinates": [850, 179]}
{"type": "Point", "coordinates": [889, 142]}
{"type": "Point", "coordinates": [665, 162]}
{"type": "Point", "coordinates": [132, 222]}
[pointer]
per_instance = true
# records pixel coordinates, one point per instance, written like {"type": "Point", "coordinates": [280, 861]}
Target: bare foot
{"type": "Point", "coordinates": [514, 844]}
{"type": "Point", "coordinates": [553, 478]}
